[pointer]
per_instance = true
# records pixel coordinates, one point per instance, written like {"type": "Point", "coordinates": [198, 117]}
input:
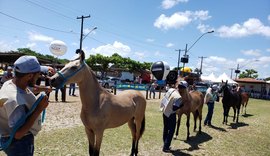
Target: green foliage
{"type": "Point", "coordinates": [249, 73]}
{"type": "Point", "coordinates": [101, 63]}
{"type": "Point", "coordinates": [28, 51]}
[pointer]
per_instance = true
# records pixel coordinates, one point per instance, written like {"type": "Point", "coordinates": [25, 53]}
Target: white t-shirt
{"type": "Point", "coordinates": [171, 98]}
{"type": "Point", "coordinates": [16, 97]}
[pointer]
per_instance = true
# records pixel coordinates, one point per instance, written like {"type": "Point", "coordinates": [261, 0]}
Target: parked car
{"type": "Point", "coordinates": [202, 87]}
{"type": "Point", "coordinates": [109, 82]}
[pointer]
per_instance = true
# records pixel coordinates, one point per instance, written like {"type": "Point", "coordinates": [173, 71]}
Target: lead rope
{"type": "Point", "coordinates": [19, 123]}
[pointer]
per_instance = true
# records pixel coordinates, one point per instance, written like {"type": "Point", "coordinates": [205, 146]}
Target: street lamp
{"type": "Point", "coordinates": [185, 58]}
{"type": "Point", "coordinates": [237, 71]}
{"type": "Point", "coordinates": [89, 33]}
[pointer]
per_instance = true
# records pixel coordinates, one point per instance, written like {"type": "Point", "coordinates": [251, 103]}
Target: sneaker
{"type": "Point", "coordinates": [166, 150]}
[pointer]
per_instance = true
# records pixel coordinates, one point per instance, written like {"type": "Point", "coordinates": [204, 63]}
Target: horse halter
{"type": "Point", "coordinates": [65, 78]}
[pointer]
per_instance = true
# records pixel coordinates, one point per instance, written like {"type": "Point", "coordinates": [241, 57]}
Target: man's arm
{"type": "Point", "coordinates": [31, 119]}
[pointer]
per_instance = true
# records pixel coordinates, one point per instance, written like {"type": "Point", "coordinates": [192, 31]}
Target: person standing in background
{"type": "Point", "coordinates": [210, 97]}
{"type": "Point", "coordinates": [72, 87]}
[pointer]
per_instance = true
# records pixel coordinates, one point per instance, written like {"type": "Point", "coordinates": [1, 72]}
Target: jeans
{"type": "Point", "coordinates": [72, 89]}
{"type": "Point", "coordinates": [168, 130]}
{"type": "Point", "coordinates": [22, 147]}
{"type": "Point", "coordinates": [209, 115]}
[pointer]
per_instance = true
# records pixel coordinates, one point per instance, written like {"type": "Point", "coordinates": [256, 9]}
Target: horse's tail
{"type": "Point", "coordinates": [142, 126]}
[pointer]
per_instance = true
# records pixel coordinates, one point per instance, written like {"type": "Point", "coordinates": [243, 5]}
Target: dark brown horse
{"type": "Point", "coordinates": [100, 109]}
{"type": "Point", "coordinates": [229, 100]}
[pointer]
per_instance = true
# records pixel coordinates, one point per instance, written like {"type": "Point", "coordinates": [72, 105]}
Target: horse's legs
{"type": "Point", "coordinates": [224, 114]}
{"type": "Point", "coordinates": [99, 136]}
{"type": "Point", "coordinates": [137, 128]}
{"type": "Point", "coordinates": [91, 140]}
{"type": "Point", "coordinates": [234, 112]}
{"type": "Point", "coordinates": [188, 124]}
{"type": "Point", "coordinates": [200, 120]}
{"type": "Point", "coordinates": [178, 125]}
{"type": "Point", "coordinates": [195, 116]}
{"type": "Point", "coordinates": [132, 128]}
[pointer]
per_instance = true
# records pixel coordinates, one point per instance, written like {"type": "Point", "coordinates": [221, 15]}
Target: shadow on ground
{"type": "Point", "coordinates": [237, 125]}
{"type": "Point", "coordinates": [196, 140]}
{"type": "Point", "coordinates": [247, 115]}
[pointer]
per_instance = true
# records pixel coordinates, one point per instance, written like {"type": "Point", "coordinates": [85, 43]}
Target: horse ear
{"type": "Point", "coordinates": [226, 81]}
{"type": "Point", "coordinates": [81, 52]}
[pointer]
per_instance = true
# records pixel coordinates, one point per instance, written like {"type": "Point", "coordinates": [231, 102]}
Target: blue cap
{"type": "Point", "coordinates": [183, 84]}
{"type": "Point", "coordinates": [27, 64]}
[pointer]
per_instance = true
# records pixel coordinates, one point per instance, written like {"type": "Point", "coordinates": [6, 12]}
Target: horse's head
{"type": "Point", "coordinates": [224, 86]}
{"type": "Point", "coordinates": [182, 88]}
{"type": "Point", "coordinates": [71, 73]}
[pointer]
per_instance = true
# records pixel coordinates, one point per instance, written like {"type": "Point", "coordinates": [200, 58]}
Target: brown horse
{"type": "Point", "coordinates": [100, 109]}
{"type": "Point", "coordinates": [244, 102]}
{"type": "Point", "coordinates": [193, 103]}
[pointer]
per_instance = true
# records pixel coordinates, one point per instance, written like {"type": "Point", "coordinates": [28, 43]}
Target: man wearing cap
{"type": "Point", "coordinates": [210, 97]}
{"type": "Point", "coordinates": [7, 75]}
{"type": "Point", "coordinates": [20, 99]}
{"type": "Point", "coordinates": [170, 103]}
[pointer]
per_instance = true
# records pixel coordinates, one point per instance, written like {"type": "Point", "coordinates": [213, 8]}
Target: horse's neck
{"type": "Point", "coordinates": [90, 90]}
{"type": "Point", "coordinates": [185, 96]}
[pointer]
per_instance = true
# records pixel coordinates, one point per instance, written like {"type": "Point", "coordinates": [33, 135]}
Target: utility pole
{"type": "Point", "coordinates": [201, 64]}
{"type": "Point", "coordinates": [82, 18]}
{"type": "Point", "coordinates": [185, 57]}
{"type": "Point", "coordinates": [179, 54]}
{"type": "Point", "coordinates": [237, 71]}
{"type": "Point", "coordinates": [231, 71]}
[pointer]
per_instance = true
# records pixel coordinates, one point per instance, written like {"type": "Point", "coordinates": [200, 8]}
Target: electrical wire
{"type": "Point", "coordinates": [68, 32]}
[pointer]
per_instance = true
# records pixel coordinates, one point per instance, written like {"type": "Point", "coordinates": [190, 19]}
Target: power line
{"type": "Point", "coordinates": [51, 10]}
{"type": "Point", "coordinates": [68, 32]}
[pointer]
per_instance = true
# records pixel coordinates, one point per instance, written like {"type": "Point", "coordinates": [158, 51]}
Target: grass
{"type": "Point", "coordinates": [249, 137]}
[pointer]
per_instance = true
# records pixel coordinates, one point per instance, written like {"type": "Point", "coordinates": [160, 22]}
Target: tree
{"type": "Point", "coordinates": [28, 51]}
{"type": "Point", "coordinates": [101, 63]}
{"type": "Point", "coordinates": [249, 73]}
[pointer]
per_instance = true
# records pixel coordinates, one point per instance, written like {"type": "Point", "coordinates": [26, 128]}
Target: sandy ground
{"type": "Point", "coordinates": [65, 114]}
{"type": "Point", "coordinates": [62, 114]}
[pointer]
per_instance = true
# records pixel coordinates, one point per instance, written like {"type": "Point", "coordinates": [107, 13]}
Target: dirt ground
{"type": "Point", "coordinates": [64, 114]}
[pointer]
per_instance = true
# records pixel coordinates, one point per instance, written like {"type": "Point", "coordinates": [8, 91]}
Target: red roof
{"type": "Point", "coordinates": [249, 80]}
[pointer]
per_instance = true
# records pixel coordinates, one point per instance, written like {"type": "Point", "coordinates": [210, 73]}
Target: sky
{"type": "Point", "coordinates": [146, 30]}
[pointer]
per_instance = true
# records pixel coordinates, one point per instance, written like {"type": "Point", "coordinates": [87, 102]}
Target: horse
{"type": "Point", "coordinates": [100, 109]}
{"type": "Point", "coordinates": [229, 100]}
{"type": "Point", "coordinates": [193, 103]}
{"type": "Point", "coordinates": [244, 102]}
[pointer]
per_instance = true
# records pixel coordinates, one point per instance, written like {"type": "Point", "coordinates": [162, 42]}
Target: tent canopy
{"type": "Point", "coordinates": [224, 77]}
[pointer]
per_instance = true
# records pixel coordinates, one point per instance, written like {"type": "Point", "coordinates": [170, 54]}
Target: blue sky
{"type": "Point", "coordinates": [146, 30]}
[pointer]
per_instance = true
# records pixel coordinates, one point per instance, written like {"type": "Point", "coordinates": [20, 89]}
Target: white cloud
{"type": "Point", "coordinates": [139, 55]}
{"type": "Point", "coordinates": [180, 19]}
{"type": "Point", "coordinates": [268, 49]}
{"type": "Point", "coordinates": [39, 37]}
{"type": "Point", "coordinates": [204, 28]}
{"type": "Point", "coordinates": [169, 45]}
{"type": "Point", "coordinates": [116, 47]}
{"type": "Point", "coordinates": [251, 52]}
{"type": "Point", "coordinates": [216, 59]}
{"type": "Point", "coordinates": [4, 47]}
{"type": "Point", "coordinates": [252, 26]}
{"type": "Point", "coordinates": [31, 45]}
{"type": "Point", "coordinates": [89, 30]}
{"type": "Point", "coordinates": [167, 4]}
{"type": "Point", "coordinates": [150, 40]}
